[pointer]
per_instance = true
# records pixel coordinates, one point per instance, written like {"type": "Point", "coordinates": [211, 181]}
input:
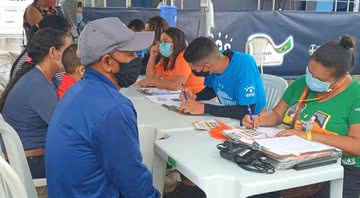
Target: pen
{"type": "Point", "coordinates": [184, 92]}
{"type": "Point", "coordinates": [251, 115]}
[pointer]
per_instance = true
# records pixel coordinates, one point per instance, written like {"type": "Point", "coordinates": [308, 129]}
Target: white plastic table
{"type": "Point", "coordinates": [154, 115]}
{"type": "Point", "coordinates": [198, 159]}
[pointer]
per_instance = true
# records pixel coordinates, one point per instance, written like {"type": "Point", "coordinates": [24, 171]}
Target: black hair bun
{"type": "Point", "coordinates": [347, 42]}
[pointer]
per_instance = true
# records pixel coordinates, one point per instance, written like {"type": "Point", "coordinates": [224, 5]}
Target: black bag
{"type": "Point", "coordinates": [246, 157]}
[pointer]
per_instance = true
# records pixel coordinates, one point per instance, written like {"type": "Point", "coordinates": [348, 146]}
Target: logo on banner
{"type": "Point", "coordinates": [266, 52]}
{"type": "Point", "coordinates": [313, 48]}
{"type": "Point", "coordinates": [223, 41]}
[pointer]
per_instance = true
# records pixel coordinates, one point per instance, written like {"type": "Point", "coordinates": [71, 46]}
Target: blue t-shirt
{"type": "Point", "coordinates": [29, 107]}
{"type": "Point", "coordinates": [240, 83]}
{"type": "Point", "coordinates": [92, 145]}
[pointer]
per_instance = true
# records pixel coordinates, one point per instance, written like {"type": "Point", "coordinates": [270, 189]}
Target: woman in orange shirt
{"type": "Point", "coordinates": [172, 71]}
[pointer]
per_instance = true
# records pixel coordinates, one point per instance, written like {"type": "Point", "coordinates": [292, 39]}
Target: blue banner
{"type": "Point", "coordinates": [289, 37]}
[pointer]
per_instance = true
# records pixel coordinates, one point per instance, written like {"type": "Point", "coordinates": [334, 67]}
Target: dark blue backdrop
{"type": "Point", "coordinates": [307, 28]}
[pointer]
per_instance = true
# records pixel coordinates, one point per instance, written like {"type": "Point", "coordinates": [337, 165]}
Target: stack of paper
{"type": "Point", "coordinates": [251, 134]}
{"type": "Point", "coordinates": [292, 145]}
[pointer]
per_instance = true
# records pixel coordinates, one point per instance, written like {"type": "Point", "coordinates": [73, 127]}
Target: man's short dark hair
{"type": "Point", "coordinates": [79, 5]}
{"type": "Point", "coordinates": [137, 24]}
{"type": "Point", "coordinates": [199, 49]}
{"type": "Point", "coordinates": [70, 59]}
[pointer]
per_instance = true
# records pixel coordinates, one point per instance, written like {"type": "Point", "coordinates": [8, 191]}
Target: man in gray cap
{"type": "Point", "coordinates": [92, 145]}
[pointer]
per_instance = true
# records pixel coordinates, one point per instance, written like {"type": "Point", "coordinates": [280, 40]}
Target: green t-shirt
{"type": "Point", "coordinates": [335, 115]}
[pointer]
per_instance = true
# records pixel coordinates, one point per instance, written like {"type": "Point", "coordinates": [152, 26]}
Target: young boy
{"type": "Point", "coordinates": [73, 68]}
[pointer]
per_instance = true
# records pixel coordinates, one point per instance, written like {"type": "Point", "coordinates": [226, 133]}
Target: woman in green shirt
{"type": "Point", "coordinates": [328, 98]}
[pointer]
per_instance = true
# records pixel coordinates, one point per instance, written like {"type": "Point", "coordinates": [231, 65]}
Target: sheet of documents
{"type": "Point", "coordinates": [157, 91]}
{"type": "Point", "coordinates": [269, 131]}
{"type": "Point", "coordinates": [170, 100]}
{"type": "Point", "coordinates": [291, 145]}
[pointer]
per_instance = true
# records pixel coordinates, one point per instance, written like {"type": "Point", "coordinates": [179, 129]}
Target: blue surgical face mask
{"type": "Point", "coordinates": [79, 18]}
{"type": "Point", "coordinates": [165, 49]}
{"type": "Point", "coordinates": [315, 84]}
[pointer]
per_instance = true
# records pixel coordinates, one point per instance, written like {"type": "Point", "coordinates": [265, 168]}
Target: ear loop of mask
{"type": "Point", "coordinates": [118, 62]}
{"type": "Point", "coordinates": [337, 86]}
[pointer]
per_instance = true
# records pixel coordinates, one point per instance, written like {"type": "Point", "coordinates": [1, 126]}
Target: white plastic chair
{"type": "Point", "coordinates": [16, 156]}
{"type": "Point", "coordinates": [10, 184]}
{"type": "Point", "coordinates": [258, 48]}
{"type": "Point", "coordinates": [274, 87]}
{"type": "Point", "coordinates": [12, 56]}
{"type": "Point", "coordinates": [147, 137]}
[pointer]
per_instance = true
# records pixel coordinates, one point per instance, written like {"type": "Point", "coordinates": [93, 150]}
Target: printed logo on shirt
{"type": "Point", "coordinates": [290, 114]}
{"type": "Point", "coordinates": [320, 118]}
{"type": "Point", "coordinates": [357, 109]}
{"type": "Point", "coordinates": [250, 91]}
{"type": "Point", "coordinates": [225, 98]}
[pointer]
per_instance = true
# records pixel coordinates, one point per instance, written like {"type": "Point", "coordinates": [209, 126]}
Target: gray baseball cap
{"type": "Point", "coordinates": [106, 35]}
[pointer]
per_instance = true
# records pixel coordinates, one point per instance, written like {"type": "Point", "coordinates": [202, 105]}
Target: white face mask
{"type": "Point", "coordinates": [59, 62]}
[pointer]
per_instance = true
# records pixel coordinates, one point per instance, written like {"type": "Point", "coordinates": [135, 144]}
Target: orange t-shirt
{"type": "Point", "coordinates": [181, 68]}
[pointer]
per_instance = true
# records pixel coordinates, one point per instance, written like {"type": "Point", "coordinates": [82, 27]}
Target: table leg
{"type": "Point", "coordinates": [336, 188]}
{"type": "Point", "coordinates": [159, 172]}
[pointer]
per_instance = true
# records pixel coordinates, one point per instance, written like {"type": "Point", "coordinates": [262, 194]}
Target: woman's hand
{"type": "Point", "coordinates": [146, 83]}
{"type": "Point", "coordinates": [291, 132]}
{"type": "Point", "coordinates": [154, 50]}
{"type": "Point", "coordinates": [193, 107]}
{"type": "Point", "coordinates": [249, 123]}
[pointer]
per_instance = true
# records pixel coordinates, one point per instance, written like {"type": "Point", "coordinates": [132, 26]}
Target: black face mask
{"type": "Point", "coordinates": [129, 72]}
{"type": "Point", "coordinates": [200, 73]}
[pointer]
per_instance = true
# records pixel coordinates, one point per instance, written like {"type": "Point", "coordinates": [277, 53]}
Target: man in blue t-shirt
{"type": "Point", "coordinates": [231, 76]}
{"type": "Point", "coordinates": [92, 144]}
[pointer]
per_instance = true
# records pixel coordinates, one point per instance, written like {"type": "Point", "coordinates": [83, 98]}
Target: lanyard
{"type": "Point", "coordinates": [302, 100]}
